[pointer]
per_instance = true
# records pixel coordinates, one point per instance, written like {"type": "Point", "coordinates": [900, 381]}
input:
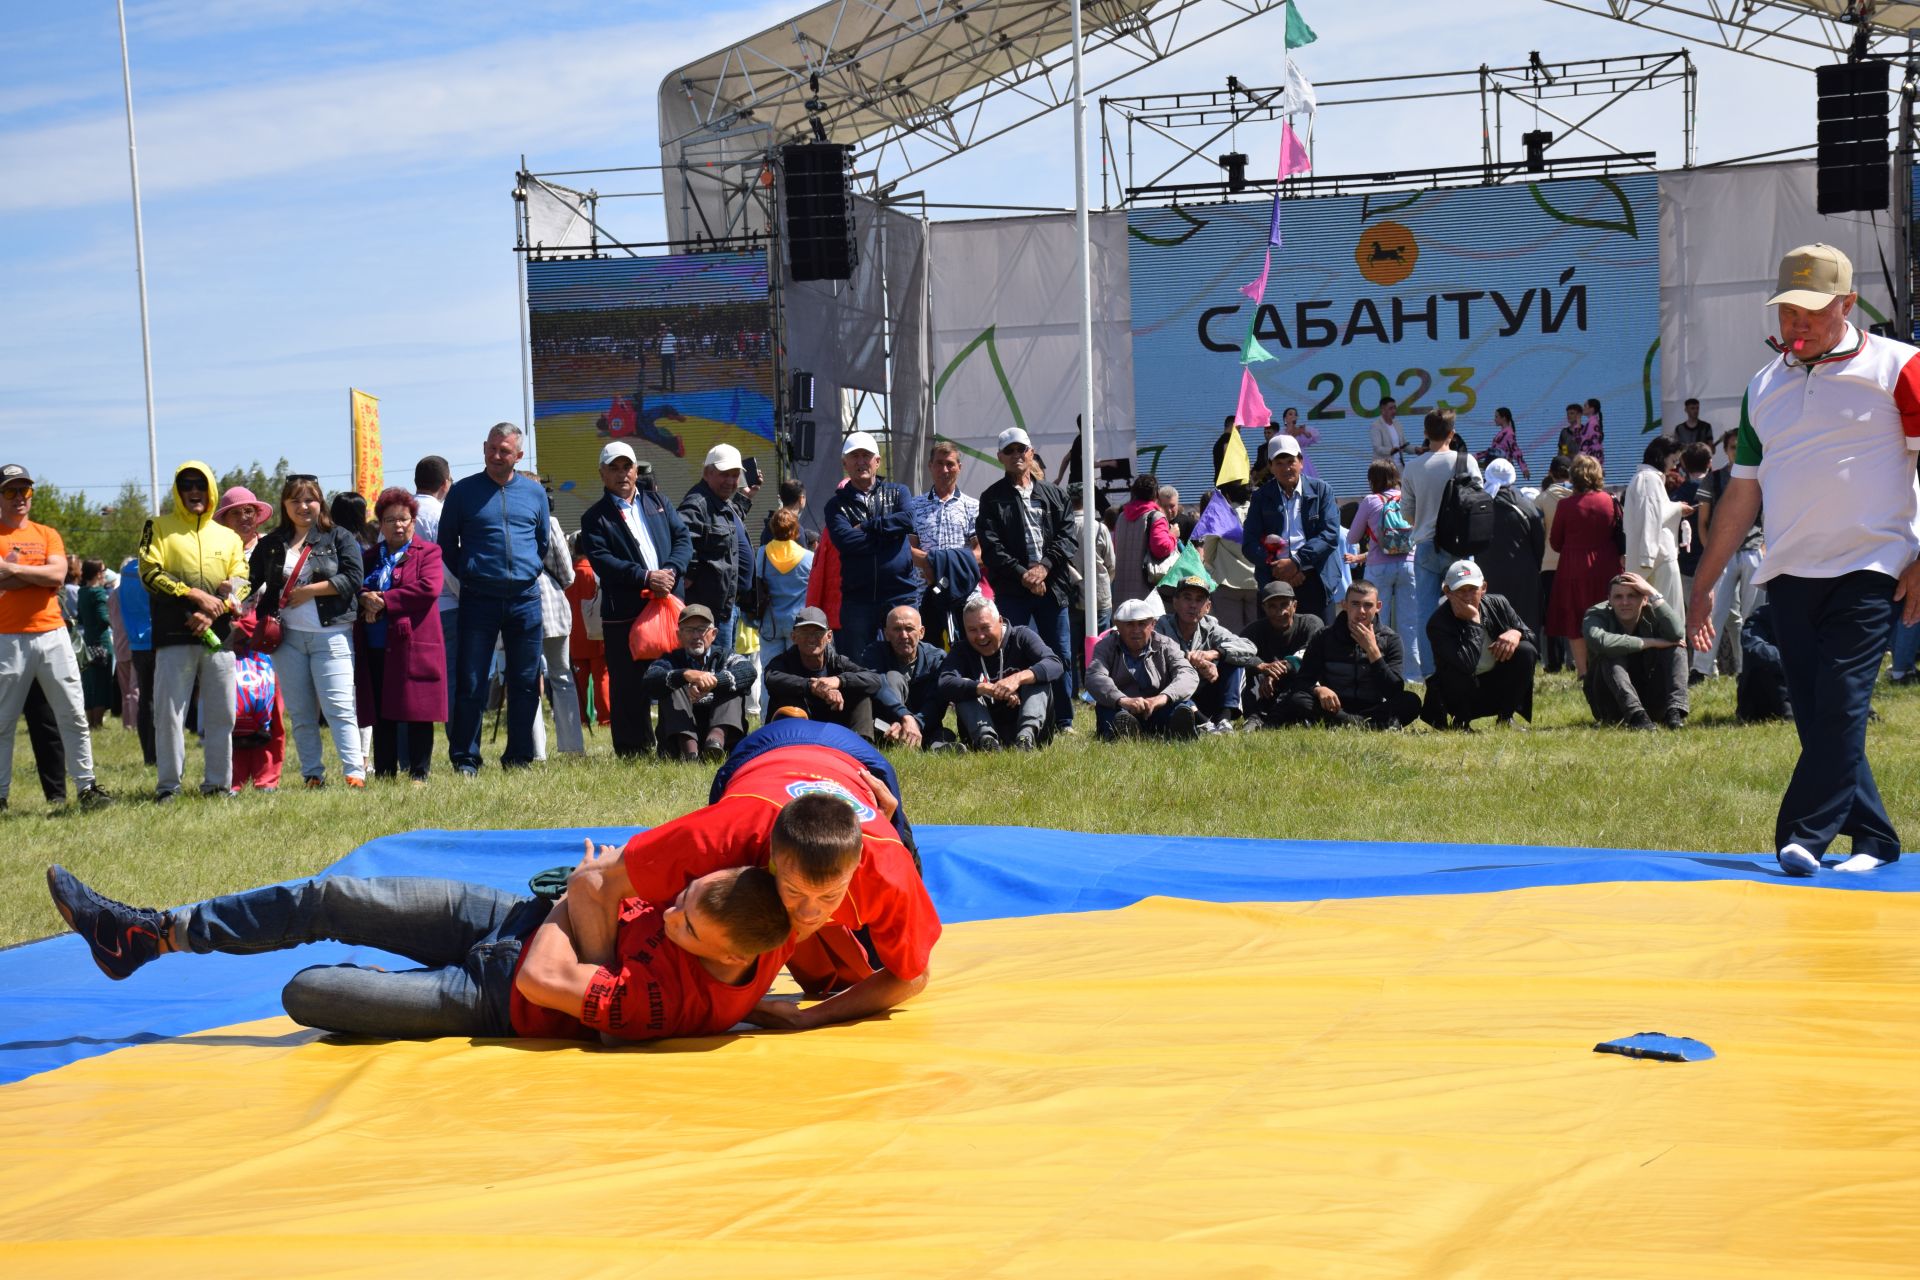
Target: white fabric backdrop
{"type": "Point", "coordinates": [1020, 276]}
{"type": "Point", "coordinates": [1722, 233]}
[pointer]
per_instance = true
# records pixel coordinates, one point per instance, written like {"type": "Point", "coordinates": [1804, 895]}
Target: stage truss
{"type": "Point", "coordinates": [1154, 133]}
{"type": "Point", "coordinates": [1794, 33]}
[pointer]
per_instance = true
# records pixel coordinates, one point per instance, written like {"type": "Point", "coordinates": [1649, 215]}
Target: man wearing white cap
{"type": "Point", "coordinates": [1482, 654]}
{"type": "Point", "coordinates": [1828, 434]}
{"type": "Point", "coordinates": [1028, 544]}
{"type": "Point", "coordinates": [722, 565]}
{"type": "Point", "coordinates": [1292, 530]}
{"type": "Point", "coordinates": [1140, 680]}
{"type": "Point", "coordinates": [871, 523]}
{"type": "Point", "coordinates": [638, 547]}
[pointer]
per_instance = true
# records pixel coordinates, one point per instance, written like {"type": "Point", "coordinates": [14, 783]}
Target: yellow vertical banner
{"type": "Point", "coordinates": [369, 468]}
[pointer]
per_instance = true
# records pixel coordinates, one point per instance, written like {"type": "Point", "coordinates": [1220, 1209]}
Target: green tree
{"type": "Point", "coordinates": [110, 532]}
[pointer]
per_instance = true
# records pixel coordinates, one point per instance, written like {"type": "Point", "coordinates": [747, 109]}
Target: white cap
{"type": "Point", "coordinates": [860, 440]}
{"type": "Point", "coordinates": [1465, 573]}
{"type": "Point", "coordinates": [1013, 435]}
{"type": "Point", "coordinates": [723, 457]}
{"type": "Point", "coordinates": [1283, 443]}
{"type": "Point", "coordinates": [616, 449]}
{"type": "Point", "coordinates": [1134, 611]}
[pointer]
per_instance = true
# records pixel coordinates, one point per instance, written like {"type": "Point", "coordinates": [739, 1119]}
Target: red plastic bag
{"type": "Point", "coordinates": [656, 632]}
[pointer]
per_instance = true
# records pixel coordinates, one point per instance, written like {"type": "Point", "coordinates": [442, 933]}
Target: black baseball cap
{"type": "Point", "coordinates": [14, 473]}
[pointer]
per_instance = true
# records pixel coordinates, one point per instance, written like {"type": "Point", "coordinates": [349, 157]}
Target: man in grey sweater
{"type": "Point", "coordinates": [1636, 657]}
{"type": "Point", "coordinates": [1140, 680]}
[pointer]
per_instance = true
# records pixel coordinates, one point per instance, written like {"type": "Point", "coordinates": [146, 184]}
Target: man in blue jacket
{"type": "Point", "coordinates": [1298, 510]}
{"type": "Point", "coordinates": [493, 537]}
{"type": "Point", "coordinates": [870, 521]}
{"type": "Point", "coordinates": [908, 707]}
{"type": "Point", "coordinates": [639, 548]}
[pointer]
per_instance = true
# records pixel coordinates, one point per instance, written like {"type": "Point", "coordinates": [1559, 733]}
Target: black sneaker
{"type": "Point", "coordinates": [988, 741]}
{"type": "Point", "coordinates": [122, 938]}
{"type": "Point", "coordinates": [95, 797]}
{"type": "Point", "coordinates": [1184, 723]}
{"type": "Point", "coordinates": [1027, 740]}
{"type": "Point", "coordinates": [1676, 720]}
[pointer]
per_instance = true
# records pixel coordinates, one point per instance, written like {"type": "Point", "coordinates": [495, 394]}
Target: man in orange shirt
{"type": "Point", "coordinates": [34, 648]}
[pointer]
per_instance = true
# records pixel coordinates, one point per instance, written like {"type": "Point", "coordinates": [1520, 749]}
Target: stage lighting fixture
{"type": "Point", "coordinates": [1235, 163]}
{"type": "Point", "coordinates": [800, 392]}
{"type": "Point", "coordinates": [1536, 142]}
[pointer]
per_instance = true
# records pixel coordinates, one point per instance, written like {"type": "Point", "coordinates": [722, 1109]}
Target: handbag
{"type": "Point", "coordinates": [656, 632]}
{"type": "Point", "coordinates": [265, 634]}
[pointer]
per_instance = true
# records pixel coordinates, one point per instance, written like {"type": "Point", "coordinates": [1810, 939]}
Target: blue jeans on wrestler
{"type": "Point", "coordinates": [483, 620]}
{"type": "Point", "coordinates": [1053, 625]}
{"type": "Point", "coordinates": [1430, 565]}
{"type": "Point", "coordinates": [467, 937]}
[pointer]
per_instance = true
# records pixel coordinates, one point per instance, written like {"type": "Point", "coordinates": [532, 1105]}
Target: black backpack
{"type": "Point", "coordinates": [1464, 526]}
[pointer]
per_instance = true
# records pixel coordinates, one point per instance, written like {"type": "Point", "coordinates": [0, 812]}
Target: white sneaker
{"type": "Point", "coordinates": [1862, 862]}
{"type": "Point", "coordinates": [1796, 861]}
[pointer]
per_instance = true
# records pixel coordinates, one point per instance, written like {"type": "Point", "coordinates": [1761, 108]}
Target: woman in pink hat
{"type": "Point", "coordinates": [243, 513]}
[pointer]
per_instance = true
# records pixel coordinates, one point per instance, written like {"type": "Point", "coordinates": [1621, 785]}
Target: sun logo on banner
{"type": "Point", "coordinates": [1386, 253]}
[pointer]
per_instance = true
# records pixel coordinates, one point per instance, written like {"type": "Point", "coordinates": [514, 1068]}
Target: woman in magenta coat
{"type": "Point", "coordinates": [1589, 558]}
{"type": "Point", "coordinates": [400, 659]}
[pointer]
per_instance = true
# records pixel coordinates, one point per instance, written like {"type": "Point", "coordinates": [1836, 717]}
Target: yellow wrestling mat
{"type": "Point", "coordinates": [1376, 1087]}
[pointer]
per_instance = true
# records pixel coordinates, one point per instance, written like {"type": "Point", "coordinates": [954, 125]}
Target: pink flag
{"type": "Point", "coordinates": [1257, 289]}
{"type": "Point", "coordinates": [1293, 153]}
{"type": "Point", "coordinates": [1252, 410]}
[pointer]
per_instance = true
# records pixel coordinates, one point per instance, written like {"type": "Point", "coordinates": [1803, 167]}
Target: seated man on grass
{"type": "Point", "coordinates": [1636, 657]}
{"type": "Point", "coordinates": [493, 964]}
{"type": "Point", "coordinates": [863, 940]}
{"type": "Point", "coordinates": [1280, 636]}
{"type": "Point", "coordinates": [811, 680]}
{"type": "Point", "coordinates": [702, 692]}
{"type": "Point", "coordinates": [908, 707]}
{"type": "Point", "coordinates": [1352, 673]}
{"type": "Point", "coordinates": [1000, 681]}
{"type": "Point", "coordinates": [1140, 680]}
{"type": "Point", "coordinates": [1483, 655]}
{"type": "Point", "coordinates": [1217, 656]}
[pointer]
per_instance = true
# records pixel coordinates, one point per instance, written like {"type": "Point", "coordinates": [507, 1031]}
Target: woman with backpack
{"type": "Point", "coordinates": [1583, 534]}
{"type": "Point", "coordinates": [1389, 555]}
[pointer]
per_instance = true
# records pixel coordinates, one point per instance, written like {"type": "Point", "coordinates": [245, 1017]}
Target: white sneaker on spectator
{"type": "Point", "coordinates": [1796, 861]}
{"type": "Point", "coordinates": [1862, 862]}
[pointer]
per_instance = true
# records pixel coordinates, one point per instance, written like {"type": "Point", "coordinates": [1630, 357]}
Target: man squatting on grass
{"type": "Point", "coordinates": [863, 940]}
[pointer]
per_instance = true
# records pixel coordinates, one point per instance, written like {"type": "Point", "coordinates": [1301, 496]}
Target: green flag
{"type": "Point", "coordinates": [1299, 33]}
{"type": "Point", "coordinates": [1253, 352]}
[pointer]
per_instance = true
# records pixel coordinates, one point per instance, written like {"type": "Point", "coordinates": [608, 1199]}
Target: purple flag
{"type": "Point", "coordinates": [1273, 227]}
{"type": "Point", "coordinates": [1218, 518]}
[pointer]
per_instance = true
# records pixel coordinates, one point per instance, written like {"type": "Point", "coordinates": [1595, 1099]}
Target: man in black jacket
{"type": "Point", "coordinates": [721, 565]}
{"type": "Point", "coordinates": [1280, 636]}
{"type": "Point", "coordinates": [1483, 654]}
{"type": "Point", "coordinates": [908, 707]}
{"type": "Point", "coordinates": [1000, 680]}
{"type": "Point", "coordinates": [812, 681]}
{"type": "Point", "coordinates": [702, 692]}
{"type": "Point", "coordinates": [638, 547]}
{"type": "Point", "coordinates": [1028, 542]}
{"type": "Point", "coordinates": [1352, 672]}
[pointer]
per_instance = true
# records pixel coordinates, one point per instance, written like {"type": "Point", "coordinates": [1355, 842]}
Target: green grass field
{"type": "Point", "coordinates": [1711, 787]}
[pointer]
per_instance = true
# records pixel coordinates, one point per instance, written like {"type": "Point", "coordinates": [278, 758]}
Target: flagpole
{"type": "Point", "coordinates": [140, 269]}
{"type": "Point", "coordinates": [1089, 597]}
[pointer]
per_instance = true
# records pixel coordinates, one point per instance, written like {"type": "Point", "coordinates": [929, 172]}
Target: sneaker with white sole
{"type": "Point", "coordinates": [1796, 861]}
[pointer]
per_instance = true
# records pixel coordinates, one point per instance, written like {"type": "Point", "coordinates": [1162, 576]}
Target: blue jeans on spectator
{"type": "Point", "coordinates": [1157, 724]}
{"type": "Point", "coordinates": [1831, 633]}
{"type": "Point", "coordinates": [1054, 626]}
{"type": "Point", "coordinates": [1395, 582]}
{"type": "Point", "coordinates": [467, 936]}
{"type": "Point", "coordinates": [449, 636]}
{"type": "Point", "coordinates": [860, 623]}
{"type": "Point", "coordinates": [315, 673]}
{"type": "Point", "coordinates": [1430, 565]}
{"type": "Point", "coordinates": [1906, 648]}
{"type": "Point", "coordinates": [485, 619]}
{"type": "Point", "coordinates": [726, 628]}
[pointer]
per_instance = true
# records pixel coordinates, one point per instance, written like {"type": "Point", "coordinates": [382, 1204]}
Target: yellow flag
{"type": "Point", "coordinates": [369, 468]}
{"type": "Point", "coordinates": [1234, 464]}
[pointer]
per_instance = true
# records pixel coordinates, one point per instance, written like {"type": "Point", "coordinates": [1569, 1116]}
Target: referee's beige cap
{"type": "Point", "coordinates": [1812, 276]}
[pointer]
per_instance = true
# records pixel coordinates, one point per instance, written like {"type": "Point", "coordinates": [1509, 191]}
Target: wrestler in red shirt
{"type": "Point", "coordinates": [882, 896]}
{"type": "Point", "coordinates": [688, 969]}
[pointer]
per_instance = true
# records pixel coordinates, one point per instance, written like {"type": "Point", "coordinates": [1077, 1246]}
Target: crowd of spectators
{"type": "Point", "coordinates": [928, 620]}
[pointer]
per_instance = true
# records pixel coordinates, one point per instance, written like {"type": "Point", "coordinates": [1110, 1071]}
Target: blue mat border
{"type": "Point", "coordinates": [58, 1008]}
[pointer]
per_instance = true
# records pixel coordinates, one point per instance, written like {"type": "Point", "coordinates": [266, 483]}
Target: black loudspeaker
{"type": "Point", "coordinates": [819, 221]}
{"type": "Point", "coordinates": [1854, 168]}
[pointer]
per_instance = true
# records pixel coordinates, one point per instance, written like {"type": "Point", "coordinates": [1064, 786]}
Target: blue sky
{"type": "Point", "coordinates": [327, 192]}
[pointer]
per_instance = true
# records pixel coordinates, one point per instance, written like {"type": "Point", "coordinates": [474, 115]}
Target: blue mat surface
{"type": "Point", "coordinates": [58, 1008]}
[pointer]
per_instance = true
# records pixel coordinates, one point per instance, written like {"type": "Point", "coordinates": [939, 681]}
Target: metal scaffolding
{"type": "Point", "coordinates": [1794, 33]}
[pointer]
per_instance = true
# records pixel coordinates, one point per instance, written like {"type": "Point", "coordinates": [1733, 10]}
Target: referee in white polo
{"type": "Point", "coordinates": [1829, 432]}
